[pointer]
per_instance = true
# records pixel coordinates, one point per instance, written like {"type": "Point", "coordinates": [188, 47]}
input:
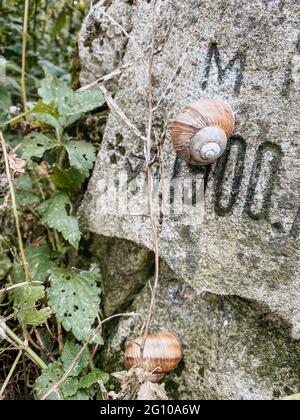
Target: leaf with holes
{"type": "Point", "coordinates": [69, 353]}
{"type": "Point", "coordinates": [35, 145]}
{"type": "Point", "coordinates": [55, 215]}
{"type": "Point", "coordinates": [82, 156]}
{"type": "Point", "coordinates": [81, 102]}
{"type": "Point", "coordinates": [75, 298]}
{"type": "Point", "coordinates": [50, 377]}
{"type": "Point", "coordinates": [24, 299]}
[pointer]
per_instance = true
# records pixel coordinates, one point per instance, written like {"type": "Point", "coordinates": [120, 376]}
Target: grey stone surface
{"type": "Point", "coordinates": [248, 55]}
{"type": "Point", "coordinates": [102, 44]}
{"type": "Point", "coordinates": [233, 349]}
{"type": "Point", "coordinates": [125, 269]}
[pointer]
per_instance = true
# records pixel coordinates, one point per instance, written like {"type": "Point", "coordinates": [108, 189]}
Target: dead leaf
{"type": "Point", "coordinates": [16, 166]}
{"type": "Point", "coordinates": [135, 385]}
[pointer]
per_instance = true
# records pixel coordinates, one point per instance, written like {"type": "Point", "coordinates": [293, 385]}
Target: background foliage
{"type": "Point", "coordinates": [49, 299]}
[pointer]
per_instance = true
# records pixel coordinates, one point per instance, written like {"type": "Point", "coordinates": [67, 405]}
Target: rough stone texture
{"type": "Point", "coordinates": [248, 244]}
{"type": "Point", "coordinates": [102, 44]}
{"type": "Point", "coordinates": [233, 349]}
{"type": "Point", "coordinates": [125, 268]}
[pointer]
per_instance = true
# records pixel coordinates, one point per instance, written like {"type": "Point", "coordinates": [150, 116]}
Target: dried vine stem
{"type": "Point", "coordinates": [156, 232]}
{"type": "Point", "coordinates": [115, 107]}
{"type": "Point", "coordinates": [24, 45]}
{"type": "Point", "coordinates": [8, 378]}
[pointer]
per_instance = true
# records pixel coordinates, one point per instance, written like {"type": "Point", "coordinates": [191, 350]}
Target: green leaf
{"type": "Point", "coordinates": [75, 299]}
{"type": "Point", "coordinates": [81, 102]}
{"type": "Point", "coordinates": [35, 145]}
{"type": "Point", "coordinates": [26, 297]}
{"type": "Point", "coordinates": [39, 259]}
{"type": "Point", "coordinates": [42, 108]}
{"type": "Point", "coordinates": [47, 379]}
{"type": "Point", "coordinates": [5, 104]}
{"type": "Point", "coordinates": [69, 353]}
{"type": "Point", "coordinates": [70, 105]}
{"type": "Point", "coordinates": [82, 155]}
{"type": "Point", "coordinates": [69, 179]}
{"type": "Point", "coordinates": [81, 395]}
{"type": "Point", "coordinates": [50, 377]}
{"type": "Point", "coordinates": [24, 191]}
{"type": "Point", "coordinates": [48, 119]}
{"type": "Point", "coordinates": [55, 215]}
{"type": "Point", "coordinates": [70, 387]}
{"type": "Point", "coordinates": [5, 266]}
{"type": "Point", "coordinates": [34, 317]}
{"type": "Point", "coordinates": [54, 90]}
{"type": "Point", "coordinates": [93, 377]}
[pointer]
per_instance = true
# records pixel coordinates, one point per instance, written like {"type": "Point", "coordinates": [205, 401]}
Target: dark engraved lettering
{"type": "Point", "coordinates": [288, 80]}
{"type": "Point", "coordinates": [266, 187]}
{"type": "Point", "coordinates": [295, 230]}
{"type": "Point", "coordinates": [220, 172]}
{"type": "Point", "coordinates": [239, 59]}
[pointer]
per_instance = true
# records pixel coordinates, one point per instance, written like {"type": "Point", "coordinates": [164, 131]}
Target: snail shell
{"type": "Point", "coordinates": [162, 353]}
{"type": "Point", "coordinates": [200, 132]}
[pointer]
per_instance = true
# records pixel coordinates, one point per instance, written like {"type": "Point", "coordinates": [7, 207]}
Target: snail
{"type": "Point", "coordinates": [200, 132]}
{"type": "Point", "coordinates": [162, 353]}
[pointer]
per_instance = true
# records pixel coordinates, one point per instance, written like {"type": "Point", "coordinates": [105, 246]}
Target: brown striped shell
{"type": "Point", "coordinates": [162, 353]}
{"type": "Point", "coordinates": [200, 132]}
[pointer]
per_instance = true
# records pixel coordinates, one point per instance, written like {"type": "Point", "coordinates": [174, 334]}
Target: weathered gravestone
{"type": "Point", "coordinates": [245, 54]}
{"type": "Point", "coordinates": [233, 349]}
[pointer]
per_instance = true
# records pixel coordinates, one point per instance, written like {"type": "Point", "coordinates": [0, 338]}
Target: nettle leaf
{"type": "Point", "coordinates": [26, 297]}
{"type": "Point", "coordinates": [50, 377]}
{"type": "Point", "coordinates": [82, 155]}
{"type": "Point", "coordinates": [81, 395]}
{"type": "Point", "coordinates": [39, 259]}
{"type": "Point", "coordinates": [71, 349]}
{"type": "Point", "coordinates": [43, 108]}
{"type": "Point", "coordinates": [93, 377]}
{"type": "Point", "coordinates": [69, 179]}
{"type": "Point", "coordinates": [54, 90]}
{"type": "Point", "coordinates": [55, 215]}
{"type": "Point", "coordinates": [75, 298]}
{"type": "Point", "coordinates": [70, 387]}
{"type": "Point", "coordinates": [34, 317]}
{"type": "Point", "coordinates": [35, 145]}
{"type": "Point", "coordinates": [24, 191]}
{"type": "Point", "coordinates": [81, 102]}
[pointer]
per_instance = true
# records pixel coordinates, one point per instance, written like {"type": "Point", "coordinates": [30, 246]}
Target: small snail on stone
{"type": "Point", "coordinates": [162, 353]}
{"type": "Point", "coordinates": [200, 132]}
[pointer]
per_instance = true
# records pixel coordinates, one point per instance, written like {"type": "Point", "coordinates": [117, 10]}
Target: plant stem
{"type": "Point", "coordinates": [25, 347]}
{"type": "Point", "coordinates": [15, 210]}
{"type": "Point", "coordinates": [8, 378]}
{"type": "Point", "coordinates": [14, 120]}
{"type": "Point", "coordinates": [24, 45]}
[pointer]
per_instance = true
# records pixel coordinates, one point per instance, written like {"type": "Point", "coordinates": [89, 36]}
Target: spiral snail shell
{"type": "Point", "coordinates": [162, 353]}
{"type": "Point", "coordinates": [200, 132]}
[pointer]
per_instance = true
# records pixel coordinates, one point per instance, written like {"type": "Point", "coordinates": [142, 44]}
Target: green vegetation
{"type": "Point", "coordinates": [48, 307]}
